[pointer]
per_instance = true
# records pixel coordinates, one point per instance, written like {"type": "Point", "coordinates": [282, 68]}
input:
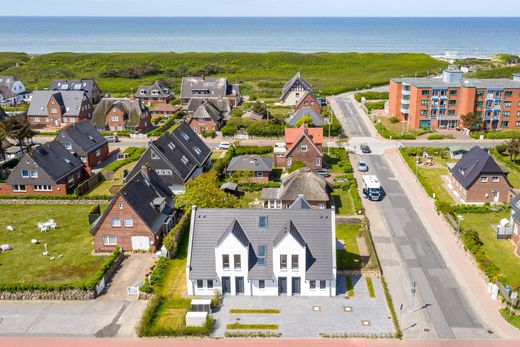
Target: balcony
{"type": "Point", "coordinates": [490, 97]}
{"type": "Point", "coordinates": [405, 102]}
{"type": "Point", "coordinates": [405, 109]}
{"type": "Point", "coordinates": [406, 89]}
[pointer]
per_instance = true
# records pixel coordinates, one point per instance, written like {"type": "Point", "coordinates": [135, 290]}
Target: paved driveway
{"type": "Point", "coordinates": [298, 320]}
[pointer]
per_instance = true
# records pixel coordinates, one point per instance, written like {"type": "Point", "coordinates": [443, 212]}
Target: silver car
{"type": "Point", "coordinates": [362, 166]}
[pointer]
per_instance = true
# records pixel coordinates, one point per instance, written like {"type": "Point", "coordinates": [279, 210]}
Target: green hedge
{"type": "Point", "coordinates": [254, 187]}
{"type": "Point", "coordinates": [55, 197]}
{"type": "Point", "coordinates": [242, 150]}
{"type": "Point", "coordinates": [436, 137]}
{"type": "Point", "coordinates": [409, 158]}
{"type": "Point", "coordinates": [376, 105]}
{"type": "Point", "coordinates": [123, 133]}
{"type": "Point", "coordinates": [295, 165]}
{"type": "Point", "coordinates": [372, 96]}
{"type": "Point", "coordinates": [343, 162]}
{"type": "Point", "coordinates": [81, 285]}
{"type": "Point", "coordinates": [163, 128]}
{"type": "Point", "coordinates": [133, 154]}
{"type": "Point", "coordinates": [156, 276]}
{"type": "Point", "coordinates": [499, 134]}
{"type": "Point", "coordinates": [486, 208]}
{"type": "Point", "coordinates": [172, 240]}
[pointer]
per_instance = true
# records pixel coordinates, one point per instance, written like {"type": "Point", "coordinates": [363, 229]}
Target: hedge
{"type": "Point", "coordinates": [242, 150]}
{"type": "Point", "coordinates": [172, 240]}
{"type": "Point", "coordinates": [163, 128]}
{"type": "Point", "coordinates": [343, 161]}
{"type": "Point", "coordinates": [372, 96]}
{"type": "Point", "coordinates": [436, 137]}
{"type": "Point", "coordinates": [296, 164]}
{"type": "Point", "coordinates": [254, 187]}
{"type": "Point", "coordinates": [377, 105]}
{"type": "Point", "coordinates": [156, 275]}
{"type": "Point", "coordinates": [134, 154]}
{"type": "Point", "coordinates": [499, 135]}
{"type": "Point", "coordinates": [81, 285]}
{"type": "Point", "coordinates": [55, 197]}
{"type": "Point", "coordinates": [122, 133]}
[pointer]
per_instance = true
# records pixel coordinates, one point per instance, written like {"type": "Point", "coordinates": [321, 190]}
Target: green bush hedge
{"type": "Point", "coordinates": [242, 150]}
{"type": "Point", "coordinates": [156, 276]}
{"type": "Point", "coordinates": [133, 154]}
{"type": "Point", "coordinates": [229, 129]}
{"type": "Point", "coordinates": [372, 96]}
{"type": "Point", "coordinates": [55, 197]}
{"type": "Point", "coordinates": [499, 134]}
{"type": "Point", "coordinates": [254, 187]}
{"type": "Point", "coordinates": [376, 105]}
{"type": "Point", "coordinates": [486, 208]}
{"type": "Point", "coordinates": [341, 156]}
{"type": "Point", "coordinates": [436, 137]}
{"type": "Point", "coordinates": [172, 240]}
{"type": "Point", "coordinates": [295, 165]}
{"type": "Point", "coordinates": [81, 285]}
{"type": "Point", "coordinates": [123, 133]}
{"type": "Point", "coordinates": [163, 128]}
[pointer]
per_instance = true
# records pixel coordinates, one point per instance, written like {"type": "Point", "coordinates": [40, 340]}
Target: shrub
{"type": "Point", "coordinates": [436, 137]}
{"type": "Point", "coordinates": [264, 128]}
{"type": "Point", "coordinates": [242, 150]}
{"type": "Point", "coordinates": [296, 164]}
{"type": "Point", "coordinates": [158, 120]}
{"type": "Point", "coordinates": [133, 154]}
{"type": "Point", "coordinates": [172, 240]}
{"type": "Point", "coordinates": [229, 129]}
{"type": "Point", "coordinates": [254, 187]}
{"type": "Point", "coordinates": [163, 128]}
{"type": "Point", "coordinates": [394, 120]}
{"type": "Point", "coordinates": [209, 133]}
{"type": "Point", "coordinates": [376, 105]}
{"type": "Point", "coordinates": [372, 96]}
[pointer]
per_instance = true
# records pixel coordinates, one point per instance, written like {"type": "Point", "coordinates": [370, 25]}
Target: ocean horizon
{"type": "Point", "coordinates": [431, 35]}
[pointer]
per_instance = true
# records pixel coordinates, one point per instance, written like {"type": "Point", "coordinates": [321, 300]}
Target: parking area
{"type": "Point", "coordinates": [308, 317]}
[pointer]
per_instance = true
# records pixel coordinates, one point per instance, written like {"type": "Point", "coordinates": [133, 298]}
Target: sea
{"type": "Point", "coordinates": [465, 36]}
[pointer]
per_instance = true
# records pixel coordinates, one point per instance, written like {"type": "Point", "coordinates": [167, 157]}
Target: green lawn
{"type": "Point", "coordinates": [25, 262]}
{"type": "Point", "coordinates": [104, 187]}
{"type": "Point", "coordinates": [348, 258]}
{"type": "Point", "coordinates": [514, 175]}
{"type": "Point", "coordinates": [433, 177]}
{"type": "Point", "coordinates": [249, 197]}
{"type": "Point", "coordinates": [500, 252]}
{"type": "Point", "coordinates": [512, 319]}
{"type": "Point", "coordinates": [343, 202]}
{"type": "Point", "coordinates": [260, 74]}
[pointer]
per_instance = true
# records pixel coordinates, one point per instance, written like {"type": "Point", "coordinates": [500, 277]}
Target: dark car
{"type": "Point", "coordinates": [323, 172]}
{"type": "Point", "coordinates": [365, 149]}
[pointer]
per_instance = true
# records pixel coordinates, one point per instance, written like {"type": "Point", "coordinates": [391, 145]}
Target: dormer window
{"type": "Point", "coordinates": [262, 222]}
{"type": "Point", "coordinates": [484, 179]}
{"type": "Point", "coordinates": [154, 155]}
{"type": "Point", "coordinates": [197, 150]}
{"type": "Point", "coordinates": [142, 91]}
{"type": "Point", "coordinates": [184, 160]}
{"type": "Point", "coordinates": [68, 145]}
{"type": "Point", "coordinates": [171, 146]}
{"type": "Point", "coordinates": [461, 170]}
{"type": "Point", "coordinates": [186, 137]}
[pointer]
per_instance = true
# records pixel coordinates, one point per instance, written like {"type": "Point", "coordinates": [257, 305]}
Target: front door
{"type": "Point", "coordinates": [296, 290]}
{"type": "Point", "coordinates": [496, 195]}
{"type": "Point", "coordinates": [226, 285]}
{"type": "Point", "coordinates": [140, 243]}
{"type": "Point", "coordinates": [56, 122]}
{"type": "Point", "coordinates": [239, 285]}
{"type": "Point", "coordinates": [282, 285]}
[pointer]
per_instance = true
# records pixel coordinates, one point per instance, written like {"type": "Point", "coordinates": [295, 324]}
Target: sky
{"type": "Point", "coordinates": [265, 8]}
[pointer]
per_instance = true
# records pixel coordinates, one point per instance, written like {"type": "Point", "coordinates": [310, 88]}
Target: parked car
{"type": "Point", "coordinates": [112, 138]}
{"type": "Point", "coordinates": [323, 172]}
{"type": "Point", "coordinates": [224, 145]}
{"type": "Point", "coordinates": [365, 148]}
{"type": "Point", "coordinates": [362, 166]}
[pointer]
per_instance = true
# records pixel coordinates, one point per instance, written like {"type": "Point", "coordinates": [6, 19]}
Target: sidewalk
{"type": "Point", "coordinates": [466, 273]}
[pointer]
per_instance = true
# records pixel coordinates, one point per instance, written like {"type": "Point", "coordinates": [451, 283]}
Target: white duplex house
{"type": "Point", "coordinates": [262, 252]}
{"type": "Point", "coordinates": [12, 91]}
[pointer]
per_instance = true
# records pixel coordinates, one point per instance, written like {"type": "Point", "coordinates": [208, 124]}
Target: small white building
{"type": "Point", "coordinates": [12, 91]}
{"type": "Point", "coordinates": [294, 89]}
{"type": "Point", "coordinates": [262, 252]}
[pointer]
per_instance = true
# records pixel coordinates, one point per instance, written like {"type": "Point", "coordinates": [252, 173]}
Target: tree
{"type": "Point", "coordinates": [17, 127]}
{"type": "Point", "coordinates": [296, 164]}
{"type": "Point", "coordinates": [3, 137]}
{"type": "Point", "coordinates": [305, 120]}
{"type": "Point", "coordinates": [513, 147]}
{"type": "Point", "coordinates": [260, 108]}
{"type": "Point", "coordinates": [472, 121]}
{"type": "Point", "coordinates": [204, 192]}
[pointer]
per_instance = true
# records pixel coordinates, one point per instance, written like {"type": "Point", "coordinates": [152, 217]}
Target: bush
{"type": "Point", "coordinates": [376, 105]}
{"type": "Point", "coordinates": [394, 120]}
{"type": "Point", "coordinates": [209, 133]}
{"type": "Point", "coordinates": [172, 240]}
{"type": "Point", "coordinates": [254, 187]}
{"type": "Point", "coordinates": [55, 197]}
{"type": "Point", "coordinates": [158, 120]}
{"type": "Point", "coordinates": [243, 150]}
{"type": "Point", "coordinates": [436, 137]}
{"type": "Point", "coordinates": [156, 275]}
{"type": "Point", "coordinates": [372, 96]}
{"type": "Point", "coordinates": [296, 164]}
{"type": "Point", "coordinates": [266, 129]}
{"type": "Point", "coordinates": [133, 154]}
{"type": "Point", "coordinates": [229, 129]}
{"type": "Point", "coordinates": [486, 208]}
{"type": "Point", "coordinates": [163, 128]}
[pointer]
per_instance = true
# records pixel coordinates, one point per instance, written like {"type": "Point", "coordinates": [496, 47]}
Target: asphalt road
{"type": "Point", "coordinates": [445, 305]}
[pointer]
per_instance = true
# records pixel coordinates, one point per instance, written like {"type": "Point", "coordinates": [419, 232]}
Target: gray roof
{"type": "Point", "coordinates": [515, 208]}
{"type": "Point", "coordinates": [236, 230]}
{"type": "Point", "coordinates": [223, 105]}
{"type": "Point", "coordinates": [289, 229]}
{"type": "Point", "coordinates": [2, 114]}
{"type": "Point", "coordinates": [132, 110]}
{"type": "Point", "coordinates": [8, 81]}
{"type": "Point", "coordinates": [296, 79]}
{"type": "Point", "coordinates": [304, 182]}
{"type": "Point", "coordinates": [140, 192]}
{"type": "Point", "coordinates": [164, 92]}
{"type": "Point", "coordinates": [474, 163]}
{"type": "Point", "coordinates": [317, 119]}
{"type": "Point", "coordinates": [208, 111]}
{"type": "Point", "coordinates": [69, 101]}
{"type": "Point", "coordinates": [87, 86]}
{"type": "Point", "coordinates": [204, 87]}
{"type": "Point", "coordinates": [7, 93]}
{"type": "Point", "coordinates": [270, 193]}
{"type": "Point", "coordinates": [300, 203]}
{"type": "Point", "coordinates": [311, 227]}
{"type": "Point", "coordinates": [494, 83]}
{"type": "Point", "coordinates": [53, 158]}
{"type": "Point", "coordinates": [83, 137]}
{"type": "Point", "coordinates": [253, 163]}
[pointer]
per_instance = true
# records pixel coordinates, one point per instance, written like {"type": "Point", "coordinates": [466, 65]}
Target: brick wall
{"type": "Point", "coordinates": [309, 157]}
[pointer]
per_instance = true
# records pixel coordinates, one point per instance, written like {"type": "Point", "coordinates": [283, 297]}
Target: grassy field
{"type": "Point", "coordinates": [500, 252]}
{"type": "Point", "coordinates": [502, 72]}
{"type": "Point", "coordinates": [348, 258]}
{"type": "Point", "coordinates": [261, 75]}
{"type": "Point", "coordinates": [504, 160]}
{"type": "Point", "coordinates": [343, 202]}
{"type": "Point", "coordinates": [104, 187]}
{"type": "Point", "coordinates": [513, 320]}
{"type": "Point", "coordinates": [25, 263]}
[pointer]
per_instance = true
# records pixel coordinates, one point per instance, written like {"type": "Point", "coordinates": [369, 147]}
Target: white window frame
{"type": "Point", "coordinates": [109, 240]}
{"type": "Point", "coordinates": [318, 161]}
{"type": "Point", "coordinates": [42, 188]}
{"type": "Point", "coordinates": [116, 222]}
{"type": "Point", "coordinates": [260, 174]}
{"type": "Point", "coordinates": [18, 188]}
{"type": "Point", "coordinates": [304, 148]}
{"type": "Point", "coordinates": [27, 175]}
{"type": "Point", "coordinates": [98, 152]}
{"type": "Point", "coordinates": [129, 222]}
{"type": "Point", "coordinates": [33, 173]}
{"type": "Point", "coordinates": [495, 179]}
{"type": "Point", "coordinates": [115, 118]}
{"type": "Point", "coordinates": [484, 179]}
{"type": "Point", "coordinates": [261, 284]}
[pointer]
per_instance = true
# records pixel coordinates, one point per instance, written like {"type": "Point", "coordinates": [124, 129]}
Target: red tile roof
{"type": "Point", "coordinates": [293, 134]}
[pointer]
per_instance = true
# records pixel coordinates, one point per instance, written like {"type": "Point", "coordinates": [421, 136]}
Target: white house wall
{"type": "Point", "coordinates": [232, 246]}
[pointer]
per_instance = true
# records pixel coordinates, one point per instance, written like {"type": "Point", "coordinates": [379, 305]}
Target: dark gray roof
{"type": "Point", "coordinates": [253, 163]}
{"type": "Point", "coordinates": [207, 110]}
{"type": "Point", "coordinates": [221, 104]}
{"type": "Point", "coordinates": [300, 203]}
{"type": "Point", "coordinates": [296, 79]}
{"type": "Point", "coordinates": [203, 87]}
{"type": "Point", "coordinates": [317, 119]}
{"type": "Point", "coordinates": [132, 111]}
{"type": "Point", "coordinates": [83, 137]}
{"type": "Point", "coordinates": [87, 86]}
{"type": "Point", "coordinates": [140, 192]}
{"type": "Point", "coordinates": [314, 227]}
{"type": "Point", "coordinates": [163, 91]}
{"type": "Point", "coordinates": [69, 101]}
{"type": "Point", "coordinates": [7, 93]}
{"type": "Point", "coordinates": [53, 158]}
{"type": "Point", "coordinates": [236, 230]}
{"type": "Point", "coordinates": [290, 229]}
{"type": "Point", "coordinates": [304, 182]}
{"type": "Point", "coordinates": [8, 81]}
{"type": "Point", "coordinates": [474, 163]}
{"type": "Point", "coordinates": [192, 143]}
{"type": "Point", "coordinates": [515, 208]}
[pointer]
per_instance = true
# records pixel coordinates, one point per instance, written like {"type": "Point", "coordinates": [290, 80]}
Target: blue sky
{"type": "Point", "coordinates": [340, 8]}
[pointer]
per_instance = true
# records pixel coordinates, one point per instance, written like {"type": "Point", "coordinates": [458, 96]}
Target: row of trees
{"type": "Point", "coordinates": [17, 128]}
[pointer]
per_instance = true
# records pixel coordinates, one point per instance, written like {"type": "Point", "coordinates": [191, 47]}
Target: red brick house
{"type": "Point", "coordinates": [86, 143]}
{"type": "Point", "coordinates": [307, 100]}
{"type": "Point", "coordinates": [49, 169]}
{"type": "Point", "coordinates": [155, 94]}
{"type": "Point", "coordinates": [121, 114]}
{"type": "Point", "coordinates": [302, 144]}
{"type": "Point", "coordinates": [477, 178]}
{"type": "Point", "coordinates": [260, 167]}
{"type": "Point", "coordinates": [206, 118]}
{"type": "Point", "coordinates": [138, 216]}
{"type": "Point", "coordinates": [164, 110]}
{"type": "Point", "coordinates": [56, 109]}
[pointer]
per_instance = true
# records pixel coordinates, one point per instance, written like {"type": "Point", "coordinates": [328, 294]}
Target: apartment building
{"type": "Point", "coordinates": [438, 103]}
